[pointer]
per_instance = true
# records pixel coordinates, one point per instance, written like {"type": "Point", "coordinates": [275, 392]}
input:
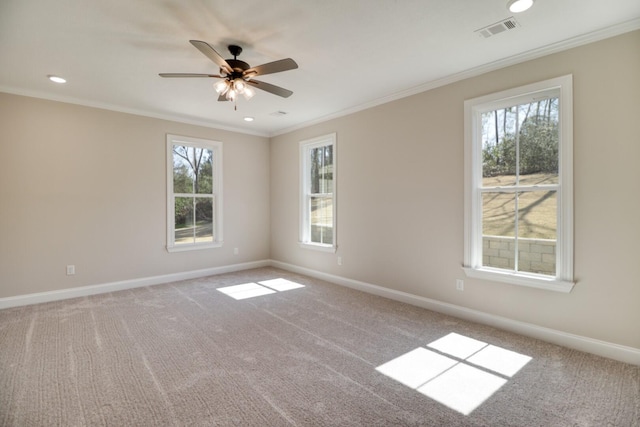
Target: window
{"type": "Point", "coordinates": [194, 193]}
{"type": "Point", "coordinates": [518, 186]}
{"type": "Point", "coordinates": [318, 193]}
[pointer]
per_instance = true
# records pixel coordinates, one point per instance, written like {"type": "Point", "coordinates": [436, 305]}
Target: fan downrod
{"type": "Point", "coordinates": [235, 50]}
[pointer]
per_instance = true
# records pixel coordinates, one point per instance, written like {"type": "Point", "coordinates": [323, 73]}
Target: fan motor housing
{"type": "Point", "coordinates": [237, 65]}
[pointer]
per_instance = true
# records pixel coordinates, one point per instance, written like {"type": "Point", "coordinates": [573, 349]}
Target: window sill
{"type": "Point", "coordinates": [318, 247]}
{"type": "Point", "coordinates": [532, 280]}
{"type": "Point", "coordinates": [193, 247]}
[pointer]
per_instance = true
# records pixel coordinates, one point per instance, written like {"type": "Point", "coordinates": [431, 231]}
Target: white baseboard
{"type": "Point", "coordinates": [589, 345]}
{"type": "Point", "coordinates": [82, 291]}
{"type": "Point", "coordinates": [577, 342]}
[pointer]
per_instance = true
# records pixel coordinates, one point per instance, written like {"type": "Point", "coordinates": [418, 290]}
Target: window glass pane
{"type": "Point", "coordinates": [192, 170]}
{"type": "Point", "coordinates": [498, 214]}
{"type": "Point", "coordinates": [499, 147]}
{"type": "Point", "coordinates": [204, 166]}
{"type": "Point", "coordinates": [204, 219]}
{"type": "Point", "coordinates": [321, 169]}
{"type": "Point", "coordinates": [537, 214]}
{"type": "Point", "coordinates": [182, 172]}
{"type": "Point", "coordinates": [315, 168]}
{"type": "Point", "coordinates": [538, 140]}
{"type": "Point", "coordinates": [537, 231]}
{"type": "Point", "coordinates": [184, 220]}
{"type": "Point", "coordinates": [498, 230]}
{"type": "Point", "coordinates": [322, 220]}
{"type": "Point", "coordinates": [326, 173]}
{"type": "Point", "coordinates": [521, 138]}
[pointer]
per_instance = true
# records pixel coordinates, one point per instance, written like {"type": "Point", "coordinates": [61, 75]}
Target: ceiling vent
{"type": "Point", "coordinates": [278, 113]}
{"type": "Point", "coordinates": [497, 28]}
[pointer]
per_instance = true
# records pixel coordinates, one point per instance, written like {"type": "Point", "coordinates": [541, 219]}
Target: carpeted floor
{"type": "Point", "coordinates": [291, 352]}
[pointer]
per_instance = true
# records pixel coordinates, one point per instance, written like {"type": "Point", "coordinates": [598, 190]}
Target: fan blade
{"type": "Point", "coordinates": [272, 67]}
{"type": "Point", "coordinates": [211, 53]}
{"type": "Point", "coordinates": [268, 87]}
{"type": "Point", "coordinates": [188, 75]}
{"type": "Point", "coordinates": [222, 97]}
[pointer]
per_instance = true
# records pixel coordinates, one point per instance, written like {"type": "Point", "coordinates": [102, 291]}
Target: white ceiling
{"type": "Point", "coordinates": [352, 54]}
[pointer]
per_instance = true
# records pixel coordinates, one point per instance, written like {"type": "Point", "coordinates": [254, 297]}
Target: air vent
{"type": "Point", "coordinates": [497, 28]}
{"type": "Point", "coordinates": [278, 113]}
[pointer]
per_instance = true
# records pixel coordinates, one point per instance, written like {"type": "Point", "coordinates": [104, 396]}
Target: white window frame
{"type": "Point", "coordinates": [473, 108]}
{"type": "Point", "coordinates": [305, 196]}
{"type": "Point", "coordinates": [216, 147]}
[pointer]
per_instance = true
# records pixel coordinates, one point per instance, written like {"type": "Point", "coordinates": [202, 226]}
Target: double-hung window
{"type": "Point", "coordinates": [194, 193]}
{"type": "Point", "coordinates": [318, 193]}
{"type": "Point", "coordinates": [518, 186]}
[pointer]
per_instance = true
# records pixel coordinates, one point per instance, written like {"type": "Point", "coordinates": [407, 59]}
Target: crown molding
{"type": "Point", "coordinates": [573, 42]}
{"type": "Point", "coordinates": [126, 110]}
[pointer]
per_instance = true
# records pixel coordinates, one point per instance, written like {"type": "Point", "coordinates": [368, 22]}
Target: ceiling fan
{"type": "Point", "coordinates": [237, 76]}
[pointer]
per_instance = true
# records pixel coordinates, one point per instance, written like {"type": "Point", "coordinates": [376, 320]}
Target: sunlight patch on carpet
{"type": "Point", "coordinates": [281, 284]}
{"type": "Point", "coordinates": [246, 290]}
{"type": "Point", "coordinates": [265, 287]}
{"type": "Point", "coordinates": [462, 388]}
{"type": "Point", "coordinates": [457, 345]}
{"type": "Point", "coordinates": [416, 367]}
{"type": "Point", "coordinates": [500, 360]}
{"type": "Point", "coordinates": [461, 373]}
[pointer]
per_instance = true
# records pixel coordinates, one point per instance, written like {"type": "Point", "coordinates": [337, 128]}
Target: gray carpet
{"type": "Point", "coordinates": [318, 355]}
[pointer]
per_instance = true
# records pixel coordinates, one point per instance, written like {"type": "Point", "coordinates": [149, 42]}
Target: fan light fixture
{"type": "Point", "coordinates": [221, 87]}
{"type": "Point", "coordinates": [239, 85]}
{"type": "Point", "coordinates": [232, 88]}
{"type": "Point", "coordinates": [517, 6]}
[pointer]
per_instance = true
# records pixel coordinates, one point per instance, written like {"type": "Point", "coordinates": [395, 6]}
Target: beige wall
{"type": "Point", "coordinates": [400, 195]}
{"type": "Point", "coordinates": [87, 187]}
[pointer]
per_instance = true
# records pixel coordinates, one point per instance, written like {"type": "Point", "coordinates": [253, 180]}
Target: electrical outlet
{"type": "Point", "coordinates": [339, 260]}
{"type": "Point", "coordinates": [460, 284]}
{"type": "Point", "coordinates": [71, 270]}
{"type": "Point", "coordinates": [236, 251]}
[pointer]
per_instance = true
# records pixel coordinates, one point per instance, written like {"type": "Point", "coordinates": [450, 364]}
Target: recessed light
{"type": "Point", "coordinates": [248, 119]}
{"type": "Point", "coordinates": [56, 79]}
{"type": "Point", "coordinates": [517, 6]}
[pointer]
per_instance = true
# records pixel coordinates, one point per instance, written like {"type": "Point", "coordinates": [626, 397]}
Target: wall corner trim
{"type": "Point", "coordinates": [577, 342]}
